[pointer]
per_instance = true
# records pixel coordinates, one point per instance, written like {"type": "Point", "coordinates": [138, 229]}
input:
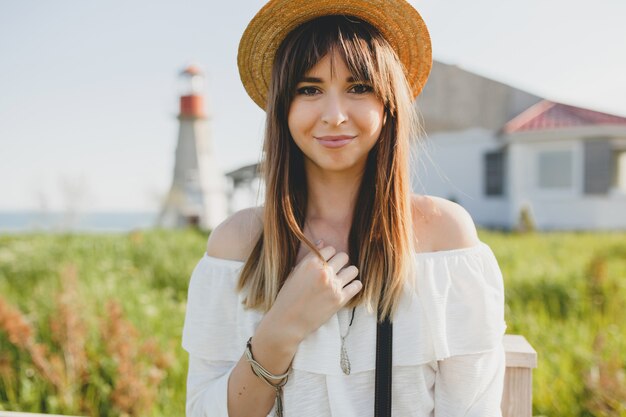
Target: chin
{"type": "Point", "coordinates": [341, 166]}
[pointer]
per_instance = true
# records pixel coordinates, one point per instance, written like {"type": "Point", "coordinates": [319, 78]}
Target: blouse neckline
{"type": "Point", "coordinates": [418, 255]}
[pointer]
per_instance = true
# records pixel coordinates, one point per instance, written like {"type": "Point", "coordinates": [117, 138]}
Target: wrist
{"type": "Point", "coordinates": [278, 335]}
{"type": "Point", "coordinates": [272, 349]}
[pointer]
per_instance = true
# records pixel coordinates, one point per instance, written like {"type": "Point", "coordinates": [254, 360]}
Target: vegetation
{"type": "Point", "coordinates": [91, 324]}
{"type": "Point", "coordinates": [566, 293]}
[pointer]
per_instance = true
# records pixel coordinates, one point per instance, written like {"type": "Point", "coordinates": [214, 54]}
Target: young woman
{"type": "Point", "coordinates": [282, 310]}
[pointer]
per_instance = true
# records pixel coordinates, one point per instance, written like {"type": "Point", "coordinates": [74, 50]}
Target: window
{"type": "Point", "coordinates": [599, 163]}
{"type": "Point", "coordinates": [494, 173]}
{"type": "Point", "coordinates": [619, 173]}
{"type": "Point", "coordinates": [555, 169]}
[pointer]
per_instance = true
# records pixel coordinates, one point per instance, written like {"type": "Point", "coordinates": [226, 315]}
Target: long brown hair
{"type": "Point", "coordinates": [381, 235]}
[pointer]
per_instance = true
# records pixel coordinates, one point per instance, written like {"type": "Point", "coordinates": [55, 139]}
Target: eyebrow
{"type": "Point", "coordinates": [319, 80]}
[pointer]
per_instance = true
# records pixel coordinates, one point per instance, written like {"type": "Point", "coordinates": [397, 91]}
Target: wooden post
{"type": "Point", "coordinates": [521, 358]}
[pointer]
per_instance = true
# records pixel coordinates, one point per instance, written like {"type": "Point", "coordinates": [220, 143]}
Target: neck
{"type": "Point", "coordinates": [331, 197]}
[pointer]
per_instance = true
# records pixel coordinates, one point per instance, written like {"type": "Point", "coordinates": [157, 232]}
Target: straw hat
{"type": "Point", "coordinates": [396, 20]}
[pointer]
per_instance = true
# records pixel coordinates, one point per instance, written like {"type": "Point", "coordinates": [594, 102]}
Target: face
{"type": "Point", "coordinates": [333, 119]}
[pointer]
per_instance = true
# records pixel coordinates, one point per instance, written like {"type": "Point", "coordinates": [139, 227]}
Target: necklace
{"type": "Point", "coordinates": [345, 361]}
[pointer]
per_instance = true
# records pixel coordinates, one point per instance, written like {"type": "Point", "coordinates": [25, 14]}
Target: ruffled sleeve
{"type": "Point", "coordinates": [470, 385]}
{"type": "Point", "coordinates": [216, 324]}
{"type": "Point", "coordinates": [215, 331]}
{"type": "Point", "coordinates": [462, 296]}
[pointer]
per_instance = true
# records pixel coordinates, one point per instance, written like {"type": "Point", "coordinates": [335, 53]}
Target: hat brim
{"type": "Point", "coordinates": [400, 24]}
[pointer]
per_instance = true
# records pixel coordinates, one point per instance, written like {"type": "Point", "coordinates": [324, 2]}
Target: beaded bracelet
{"type": "Point", "coordinates": [266, 376]}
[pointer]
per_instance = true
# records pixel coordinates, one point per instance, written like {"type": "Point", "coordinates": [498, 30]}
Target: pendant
{"type": "Point", "coordinates": [345, 362]}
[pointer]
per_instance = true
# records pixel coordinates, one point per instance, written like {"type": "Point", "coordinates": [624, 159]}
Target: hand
{"type": "Point", "coordinates": [313, 292]}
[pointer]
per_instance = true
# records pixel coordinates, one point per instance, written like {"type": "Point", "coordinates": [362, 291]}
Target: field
{"type": "Point", "coordinates": [91, 324]}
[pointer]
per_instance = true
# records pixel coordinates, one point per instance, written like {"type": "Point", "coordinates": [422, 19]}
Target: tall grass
{"type": "Point", "coordinates": [566, 293]}
{"type": "Point", "coordinates": [91, 324]}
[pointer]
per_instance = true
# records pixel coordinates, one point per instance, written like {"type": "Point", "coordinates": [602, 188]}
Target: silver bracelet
{"type": "Point", "coordinates": [266, 376]}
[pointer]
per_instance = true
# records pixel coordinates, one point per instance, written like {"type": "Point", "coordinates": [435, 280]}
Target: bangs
{"type": "Point", "coordinates": [366, 53]}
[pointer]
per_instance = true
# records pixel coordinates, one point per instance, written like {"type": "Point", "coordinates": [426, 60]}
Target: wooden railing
{"type": "Point", "coordinates": [517, 398]}
{"type": "Point", "coordinates": [521, 359]}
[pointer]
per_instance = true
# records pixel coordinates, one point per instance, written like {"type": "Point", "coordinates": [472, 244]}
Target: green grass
{"type": "Point", "coordinates": [565, 292]}
{"type": "Point", "coordinates": [147, 273]}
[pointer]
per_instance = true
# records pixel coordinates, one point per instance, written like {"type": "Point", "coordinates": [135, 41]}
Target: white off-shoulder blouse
{"type": "Point", "coordinates": [448, 358]}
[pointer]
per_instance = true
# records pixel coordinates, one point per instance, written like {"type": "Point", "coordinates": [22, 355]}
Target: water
{"type": "Point", "coordinates": [34, 221]}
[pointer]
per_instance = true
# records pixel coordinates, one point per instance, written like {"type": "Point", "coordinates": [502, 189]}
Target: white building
{"type": "Point", "coordinates": [247, 188]}
{"type": "Point", "coordinates": [564, 164]}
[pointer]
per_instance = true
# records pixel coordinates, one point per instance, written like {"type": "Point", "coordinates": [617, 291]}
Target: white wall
{"type": "Point", "coordinates": [567, 208]}
{"type": "Point", "coordinates": [451, 165]}
{"type": "Point", "coordinates": [581, 213]}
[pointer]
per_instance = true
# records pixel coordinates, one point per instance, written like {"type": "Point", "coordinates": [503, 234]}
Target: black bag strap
{"type": "Point", "coordinates": [384, 340]}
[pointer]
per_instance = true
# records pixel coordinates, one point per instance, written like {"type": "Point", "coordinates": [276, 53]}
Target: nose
{"type": "Point", "coordinates": [334, 112]}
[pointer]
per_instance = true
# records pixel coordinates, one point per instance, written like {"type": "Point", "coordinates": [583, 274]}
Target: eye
{"type": "Point", "coordinates": [307, 91]}
{"type": "Point", "coordinates": [361, 88]}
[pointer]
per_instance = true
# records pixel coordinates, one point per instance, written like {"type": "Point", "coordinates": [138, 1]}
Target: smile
{"type": "Point", "coordinates": [334, 141]}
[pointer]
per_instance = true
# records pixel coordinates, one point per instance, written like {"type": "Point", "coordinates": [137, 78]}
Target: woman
{"type": "Point", "coordinates": [282, 308]}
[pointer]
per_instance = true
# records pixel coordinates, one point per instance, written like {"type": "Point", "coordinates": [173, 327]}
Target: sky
{"type": "Point", "coordinates": [89, 89]}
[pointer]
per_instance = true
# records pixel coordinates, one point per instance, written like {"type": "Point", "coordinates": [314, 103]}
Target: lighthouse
{"type": "Point", "coordinates": [197, 196]}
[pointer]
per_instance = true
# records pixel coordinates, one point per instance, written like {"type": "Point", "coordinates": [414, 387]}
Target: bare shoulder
{"type": "Point", "coordinates": [235, 237]}
{"type": "Point", "coordinates": [442, 224]}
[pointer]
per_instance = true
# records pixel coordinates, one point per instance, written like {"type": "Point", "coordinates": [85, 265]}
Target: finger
{"type": "Point", "coordinates": [351, 290]}
{"type": "Point", "coordinates": [347, 274]}
{"type": "Point", "coordinates": [338, 261]}
{"type": "Point", "coordinates": [327, 252]}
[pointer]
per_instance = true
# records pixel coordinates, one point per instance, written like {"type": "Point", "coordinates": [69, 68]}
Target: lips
{"type": "Point", "coordinates": [334, 141]}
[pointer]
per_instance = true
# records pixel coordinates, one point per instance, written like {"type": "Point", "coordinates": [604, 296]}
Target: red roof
{"type": "Point", "coordinates": [550, 115]}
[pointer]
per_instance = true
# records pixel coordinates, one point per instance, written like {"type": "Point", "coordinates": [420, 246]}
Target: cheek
{"type": "Point", "coordinates": [297, 119]}
{"type": "Point", "coordinates": [291, 116]}
{"type": "Point", "coordinates": [374, 120]}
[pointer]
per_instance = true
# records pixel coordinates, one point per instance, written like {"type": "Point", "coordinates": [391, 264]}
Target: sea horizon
{"type": "Point", "coordinates": [28, 221]}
